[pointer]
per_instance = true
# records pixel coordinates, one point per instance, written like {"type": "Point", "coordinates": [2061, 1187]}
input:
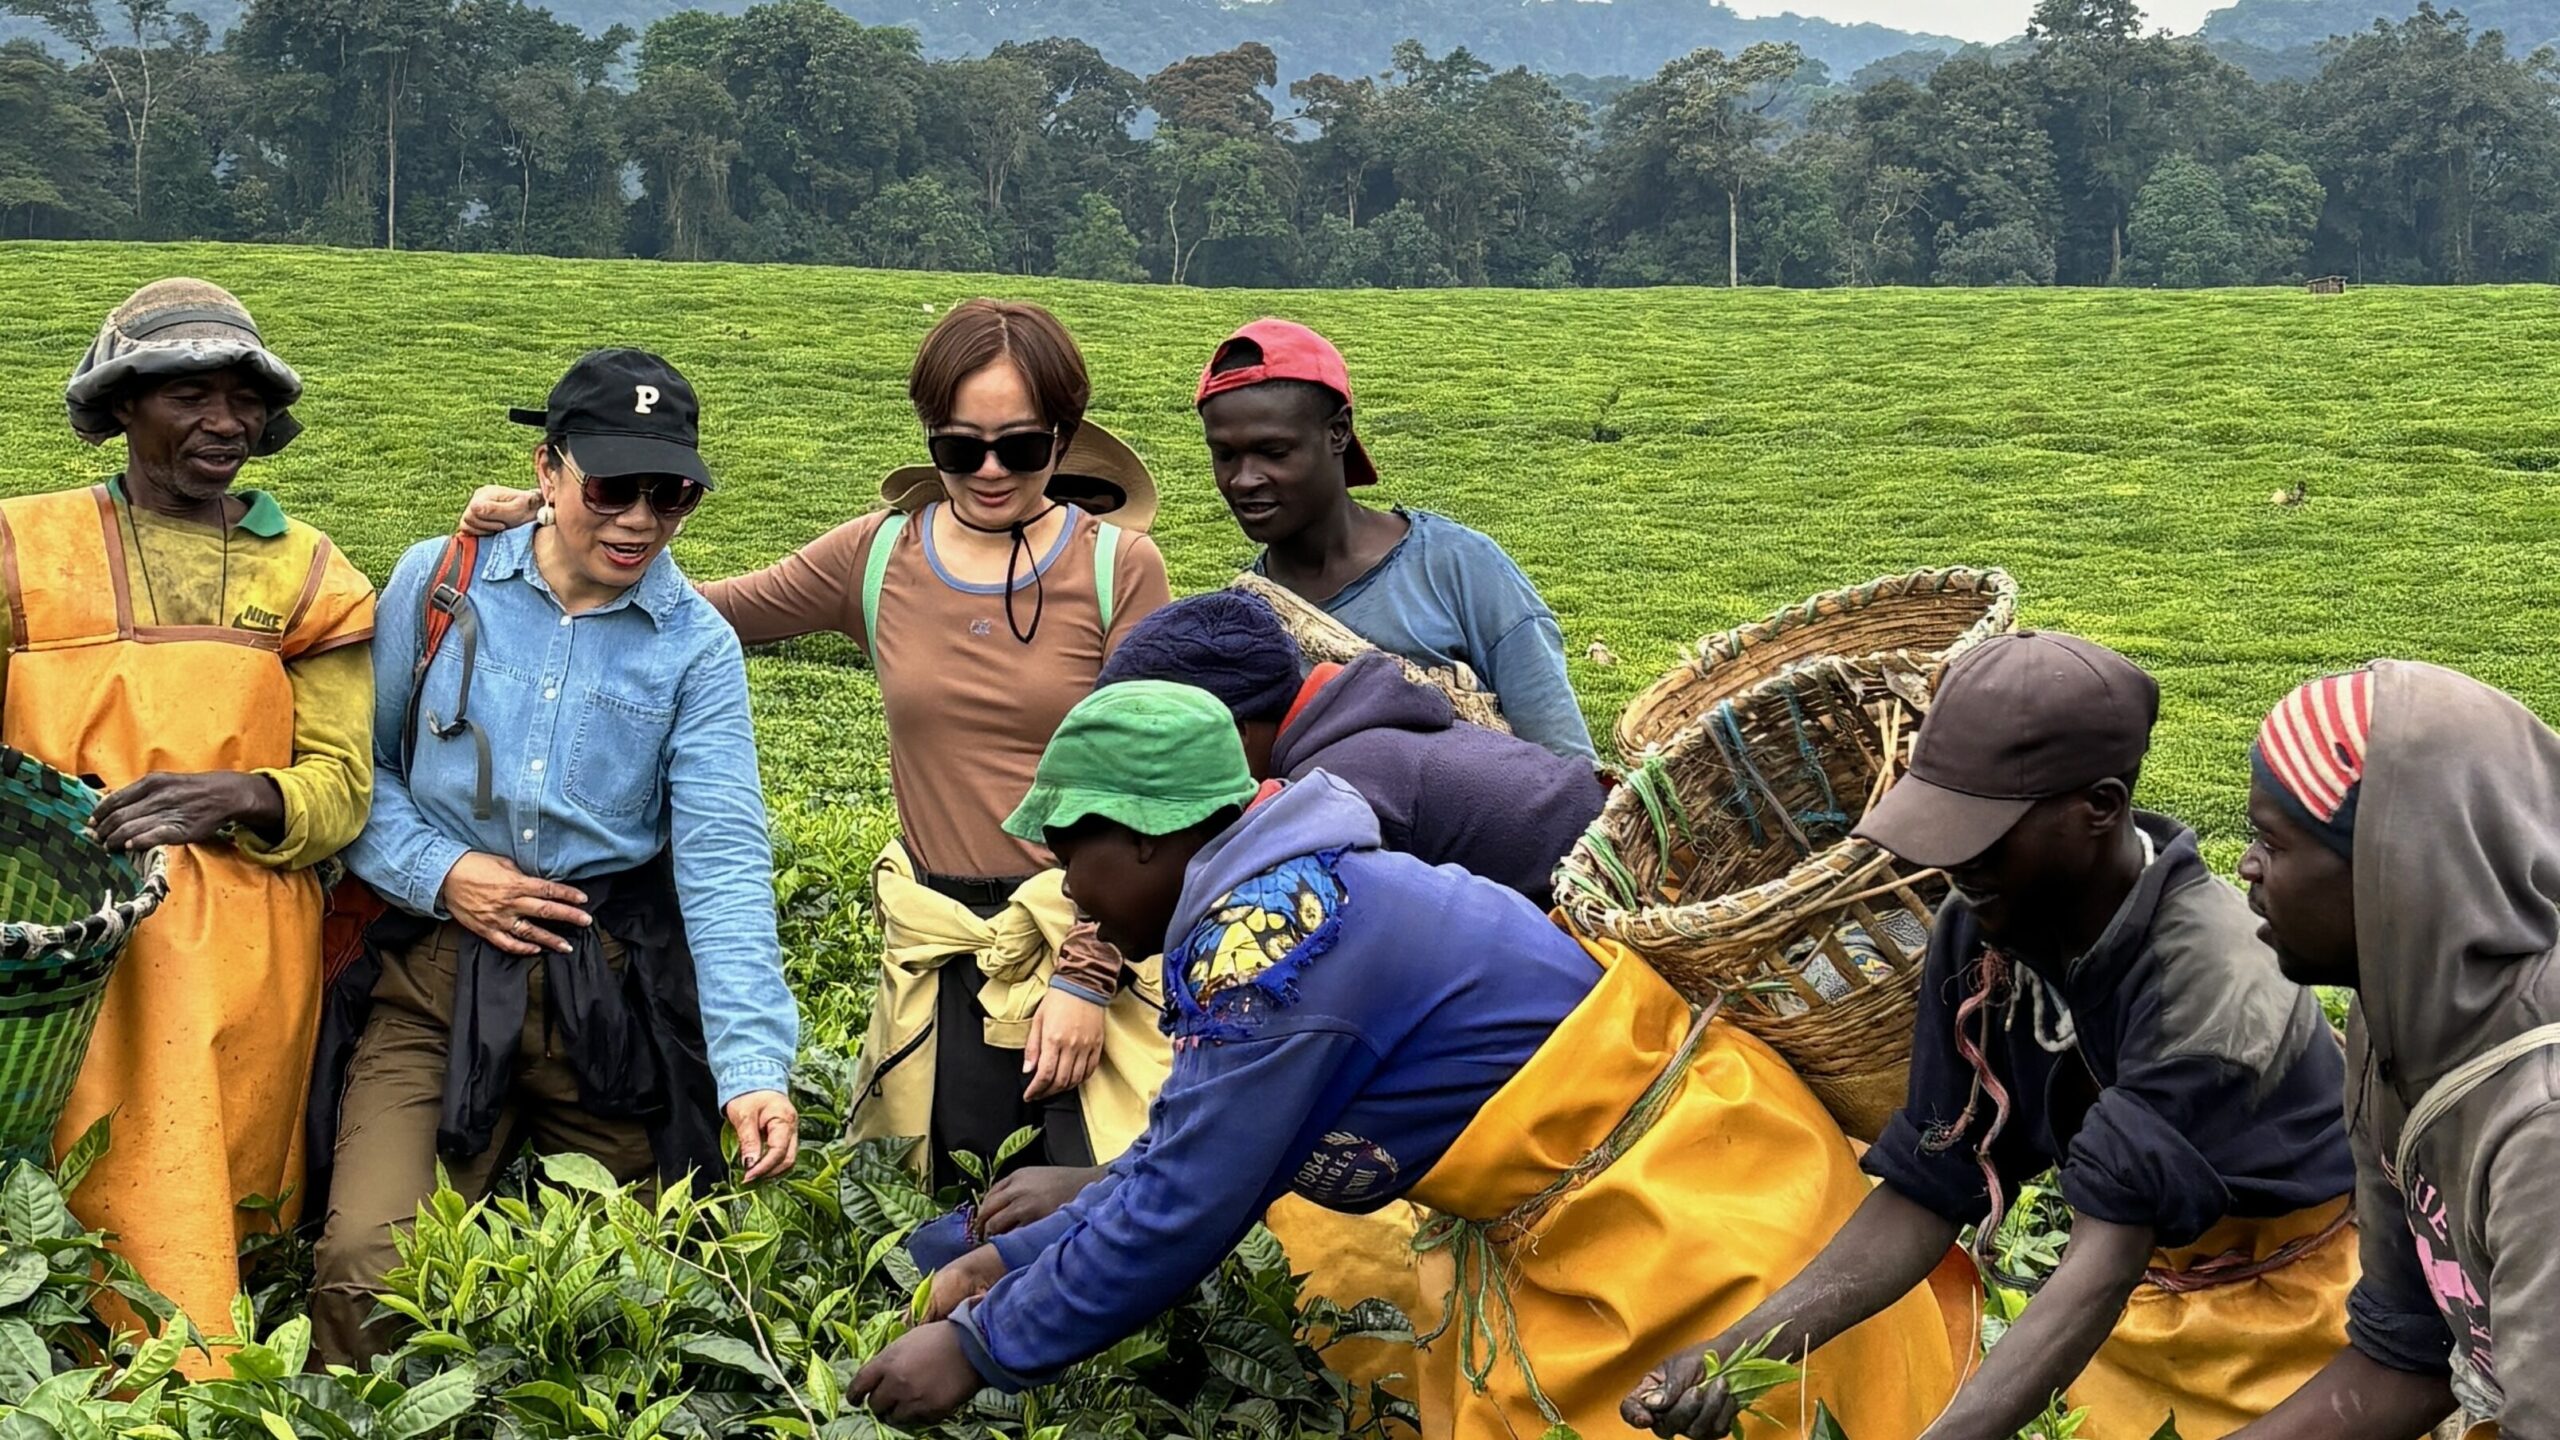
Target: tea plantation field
{"type": "Point", "coordinates": [1664, 463]}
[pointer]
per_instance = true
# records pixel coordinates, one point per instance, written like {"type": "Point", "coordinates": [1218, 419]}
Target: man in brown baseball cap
{"type": "Point", "coordinates": [2035, 716]}
{"type": "Point", "coordinates": [2095, 1002]}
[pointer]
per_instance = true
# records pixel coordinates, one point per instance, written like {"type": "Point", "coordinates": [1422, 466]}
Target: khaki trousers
{"type": "Point", "coordinates": [386, 1154]}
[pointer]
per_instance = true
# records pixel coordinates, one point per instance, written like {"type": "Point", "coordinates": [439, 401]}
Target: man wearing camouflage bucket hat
{"type": "Point", "coordinates": [209, 659]}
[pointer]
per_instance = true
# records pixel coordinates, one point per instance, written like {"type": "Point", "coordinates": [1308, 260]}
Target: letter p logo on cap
{"type": "Point", "coordinates": [643, 398]}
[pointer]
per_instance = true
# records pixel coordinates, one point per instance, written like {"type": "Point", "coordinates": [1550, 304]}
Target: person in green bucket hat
{"type": "Point", "coordinates": [1353, 1026]}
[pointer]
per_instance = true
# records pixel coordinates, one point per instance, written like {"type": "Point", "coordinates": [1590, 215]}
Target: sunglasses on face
{"type": "Point", "coordinates": [671, 496]}
{"type": "Point", "coordinates": [1023, 452]}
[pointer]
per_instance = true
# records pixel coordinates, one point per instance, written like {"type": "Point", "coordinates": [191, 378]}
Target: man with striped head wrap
{"type": "Point", "coordinates": [2408, 849]}
{"type": "Point", "coordinates": [209, 659]}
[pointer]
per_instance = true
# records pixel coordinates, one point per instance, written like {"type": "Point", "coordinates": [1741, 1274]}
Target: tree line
{"type": "Point", "coordinates": [2093, 152]}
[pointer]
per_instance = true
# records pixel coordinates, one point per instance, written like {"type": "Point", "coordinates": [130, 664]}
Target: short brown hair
{"type": "Point", "coordinates": [976, 334]}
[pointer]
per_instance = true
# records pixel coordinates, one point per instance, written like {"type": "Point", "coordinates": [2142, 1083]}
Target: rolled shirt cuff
{"type": "Point", "coordinates": [1085, 993]}
{"type": "Point", "coordinates": [286, 852]}
{"type": "Point", "coordinates": [746, 1077]}
{"type": "Point", "coordinates": [973, 1341]}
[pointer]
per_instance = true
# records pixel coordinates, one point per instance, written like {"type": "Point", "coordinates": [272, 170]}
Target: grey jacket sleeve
{"type": "Point", "coordinates": [2391, 1315]}
{"type": "Point", "coordinates": [2522, 1228]}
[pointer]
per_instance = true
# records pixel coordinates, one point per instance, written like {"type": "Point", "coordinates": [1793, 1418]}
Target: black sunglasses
{"type": "Point", "coordinates": [672, 496]}
{"type": "Point", "coordinates": [1023, 452]}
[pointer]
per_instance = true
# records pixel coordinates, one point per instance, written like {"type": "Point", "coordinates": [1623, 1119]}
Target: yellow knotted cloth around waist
{"type": "Point", "coordinates": [2223, 1329]}
{"type": "Point", "coordinates": [1012, 955]}
{"type": "Point", "coordinates": [1717, 1176]}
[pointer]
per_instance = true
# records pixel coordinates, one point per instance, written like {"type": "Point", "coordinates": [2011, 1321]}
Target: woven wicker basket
{"type": "Point", "coordinates": [1924, 619]}
{"type": "Point", "coordinates": [66, 909]}
{"type": "Point", "coordinates": [1725, 861]}
{"type": "Point", "coordinates": [1325, 640]}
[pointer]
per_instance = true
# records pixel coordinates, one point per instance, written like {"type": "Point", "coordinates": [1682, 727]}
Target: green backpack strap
{"type": "Point", "coordinates": [1106, 559]}
{"type": "Point", "coordinates": [875, 570]}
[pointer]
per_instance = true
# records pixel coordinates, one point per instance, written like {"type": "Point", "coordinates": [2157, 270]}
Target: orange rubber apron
{"type": "Point", "coordinates": [203, 1045]}
{"type": "Point", "coordinates": [1738, 1184]}
{"type": "Point", "coordinates": [2250, 1313]}
{"type": "Point", "coordinates": [1349, 1258]}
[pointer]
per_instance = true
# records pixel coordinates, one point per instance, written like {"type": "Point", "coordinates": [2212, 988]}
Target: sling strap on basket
{"type": "Point", "coordinates": [884, 543]}
{"type": "Point", "coordinates": [1479, 1308]}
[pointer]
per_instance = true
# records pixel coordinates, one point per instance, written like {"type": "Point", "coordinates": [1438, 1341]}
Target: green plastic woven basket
{"type": "Point", "coordinates": [67, 907]}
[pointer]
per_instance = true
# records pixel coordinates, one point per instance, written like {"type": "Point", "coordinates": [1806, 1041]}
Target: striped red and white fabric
{"type": "Point", "coordinates": [2314, 741]}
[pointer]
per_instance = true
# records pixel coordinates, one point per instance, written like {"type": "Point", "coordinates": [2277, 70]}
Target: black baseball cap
{"type": "Point", "coordinates": [624, 412]}
{"type": "Point", "coordinates": [2020, 718]}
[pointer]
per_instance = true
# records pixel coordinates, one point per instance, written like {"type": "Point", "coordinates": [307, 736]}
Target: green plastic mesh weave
{"type": "Point", "coordinates": [66, 909]}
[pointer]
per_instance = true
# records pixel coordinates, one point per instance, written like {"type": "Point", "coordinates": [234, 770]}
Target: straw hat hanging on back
{"type": "Point", "coordinates": [1099, 473]}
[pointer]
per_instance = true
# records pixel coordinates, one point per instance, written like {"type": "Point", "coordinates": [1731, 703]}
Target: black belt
{"type": "Point", "coordinates": [972, 891]}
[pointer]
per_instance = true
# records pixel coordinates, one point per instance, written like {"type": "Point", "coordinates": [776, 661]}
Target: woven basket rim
{"type": "Point", "coordinates": [1309, 625]}
{"type": "Point", "coordinates": [1998, 583]}
{"type": "Point", "coordinates": [1703, 655]}
{"type": "Point", "coordinates": [1824, 877]}
{"type": "Point", "coordinates": [23, 941]}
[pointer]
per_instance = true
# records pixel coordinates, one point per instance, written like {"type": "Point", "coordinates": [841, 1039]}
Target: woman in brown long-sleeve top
{"type": "Point", "coordinates": [1012, 566]}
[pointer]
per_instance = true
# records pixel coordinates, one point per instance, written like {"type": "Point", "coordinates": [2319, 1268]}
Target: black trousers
{"type": "Point", "coordinates": [977, 1087]}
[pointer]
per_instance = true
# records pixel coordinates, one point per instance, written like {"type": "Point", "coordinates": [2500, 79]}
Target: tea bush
{"type": "Point", "coordinates": [575, 1308]}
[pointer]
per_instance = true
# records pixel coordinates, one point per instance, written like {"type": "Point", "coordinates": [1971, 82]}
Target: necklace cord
{"type": "Point", "coordinates": [1020, 530]}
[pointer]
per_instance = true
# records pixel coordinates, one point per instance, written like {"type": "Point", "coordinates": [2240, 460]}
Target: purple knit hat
{"type": "Point", "coordinates": [1225, 642]}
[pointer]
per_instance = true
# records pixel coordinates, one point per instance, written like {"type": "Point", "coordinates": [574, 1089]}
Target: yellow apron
{"type": "Point", "coordinates": [203, 1045]}
{"type": "Point", "coordinates": [2222, 1354]}
{"type": "Point", "coordinates": [1740, 1182]}
{"type": "Point", "coordinates": [1350, 1258]}
{"type": "Point", "coordinates": [1014, 954]}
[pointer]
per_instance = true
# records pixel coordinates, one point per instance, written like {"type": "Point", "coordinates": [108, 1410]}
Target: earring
{"type": "Point", "coordinates": [546, 515]}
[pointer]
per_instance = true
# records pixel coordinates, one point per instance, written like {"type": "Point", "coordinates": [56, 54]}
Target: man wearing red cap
{"type": "Point", "coordinates": [2096, 1002]}
{"type": "Point", "coordinates": [1276, 404]}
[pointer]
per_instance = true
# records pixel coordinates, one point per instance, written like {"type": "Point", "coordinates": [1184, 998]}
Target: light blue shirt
{"type": "Point", "coordinates": [1450, 595]}
{"type": "Point", "coordinates": [613, 733]}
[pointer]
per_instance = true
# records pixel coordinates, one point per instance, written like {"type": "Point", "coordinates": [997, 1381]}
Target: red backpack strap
{"type": "Point", "coordinates": [351, 905]}
{"type": "Point", "coordinates": [452, 580]}
{"type": "Point", "coordinates": [444, 605]}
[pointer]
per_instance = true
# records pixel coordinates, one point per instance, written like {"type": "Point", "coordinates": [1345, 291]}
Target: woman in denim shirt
{"type": "Point", "coordinates": [566, 807]}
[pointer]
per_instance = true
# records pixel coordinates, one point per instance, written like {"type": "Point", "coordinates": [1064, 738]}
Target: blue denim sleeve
{"type": "Point", "coordinates": [402, 856]}
{"type": "Point", "coordinates": [724, 875]}
{"type": "Point", "coordinates": [1527, 674]}
{"type": "Point", "coordinates": [1221, 1147]}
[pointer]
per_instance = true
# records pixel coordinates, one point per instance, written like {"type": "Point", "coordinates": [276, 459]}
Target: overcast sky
{"type": "Point", "coordinates": [1968, 19]}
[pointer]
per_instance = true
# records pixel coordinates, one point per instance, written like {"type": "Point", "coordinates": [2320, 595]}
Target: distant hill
{"type": "Point", "coordinates": [1350, 37]}
{"type": "Point", "coordinates": [2287, 30]}
{"type": "Point", "coordinates": [1346, 37]}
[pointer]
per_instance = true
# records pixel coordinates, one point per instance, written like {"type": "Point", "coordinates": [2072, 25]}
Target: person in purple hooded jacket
{"type": "Point", "coordinates": [1446, 792]}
